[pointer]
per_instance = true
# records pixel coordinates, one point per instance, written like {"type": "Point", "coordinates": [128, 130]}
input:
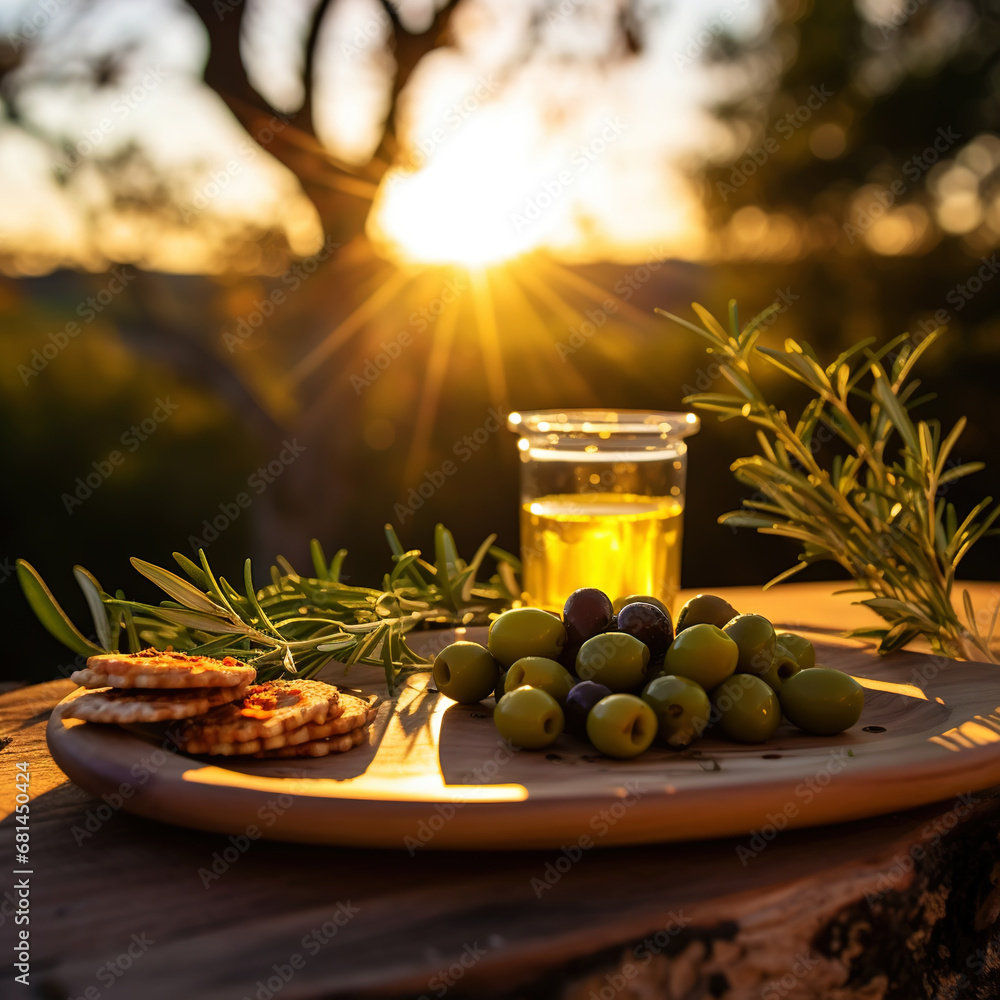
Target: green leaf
{"type": "Point", "coordinates": [710, 337]}
{"type": "Point", "coordinates": [252, 598]}
{"type": "Point", "coordinates": [195, 619]}
{"type": "Point", "coordinates": [473, 568]}
{"type": "Point", "coordinates": [882, 391]}
{"type": "Point", "coordinates": [320, 566]}
{"type": "Point", "coordinates": [445, 559]}
{"type": "Point", "coordinates": [388, 665]}
{"type": "Point", "coordinates": [49, 613]}
{"type": "Point", "coordinates": [337, 564]}
{"type": "Point", "coordinates": [710, 322]}
{"type": "Point", "coordinates": [179, 589]}
{"type": "Point", "coordinates": [92, 592]}
{"type": "Point", "coordinates": [194, 572]}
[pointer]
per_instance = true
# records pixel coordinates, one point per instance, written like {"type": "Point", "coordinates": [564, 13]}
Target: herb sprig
{"type": "Point", "coordinates": [297, 624]}
{"type": "Point", "coordinates": [877, 508]}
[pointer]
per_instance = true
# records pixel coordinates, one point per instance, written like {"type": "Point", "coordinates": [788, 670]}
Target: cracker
{"type": "Point", "coordinates": [128, 706]}
{"type": "Point", "coordinates": [319, 748]}
{"type": "Point", "coordinates": [153, 668]}
{"type": "Point", "coordinates": [348, 714]}
{"type": "Point", "coordinates": [266, 710]}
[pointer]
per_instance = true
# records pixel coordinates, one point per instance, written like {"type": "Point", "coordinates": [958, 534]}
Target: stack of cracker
{"type": "Point", "coordinates": [222, 711]}
{"type": "Point", "coordinates": [281, 719]}
{"type": "Point", "coordinates": [155, 686]}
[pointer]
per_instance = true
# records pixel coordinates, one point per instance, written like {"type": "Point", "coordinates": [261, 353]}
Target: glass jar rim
{"type": "Point", "coordinates": [604, 423]}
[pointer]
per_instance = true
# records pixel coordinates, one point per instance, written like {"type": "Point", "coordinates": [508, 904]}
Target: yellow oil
{"type": "Point", "coordinates": [618, 542]}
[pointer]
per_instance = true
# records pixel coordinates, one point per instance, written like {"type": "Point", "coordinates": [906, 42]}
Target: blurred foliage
{"type": "Point", "coordinates": [778, 236]}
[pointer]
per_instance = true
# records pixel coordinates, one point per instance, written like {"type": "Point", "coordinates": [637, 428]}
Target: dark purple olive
{"type": "Point", "coordinates": [649, 625]}
{"type": "Point", "coordinates": [587, 613]}
{"type": "Point", "coordinates": [580, 700]}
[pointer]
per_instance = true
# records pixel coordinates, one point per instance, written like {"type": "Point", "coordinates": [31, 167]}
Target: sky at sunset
{"type": "Point", "coordinates": [506, 147]}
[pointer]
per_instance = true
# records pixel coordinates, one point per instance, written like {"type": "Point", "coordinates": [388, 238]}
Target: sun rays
{"type": "Point", "coordinates": [507, 334]}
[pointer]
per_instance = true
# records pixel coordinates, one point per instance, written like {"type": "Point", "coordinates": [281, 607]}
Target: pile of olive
{"type": "Point", "coordinates": [619, 676]}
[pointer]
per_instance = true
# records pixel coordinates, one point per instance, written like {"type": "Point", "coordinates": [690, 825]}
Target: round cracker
{"type": "Point", "coordinates": [129, 706]}
{"type": "Point", "coordinates": [154, 668]}
{"type": "Point", "coordinates": [318, 748]}
{"type": "Point", "coordinates": [266, 710]}
{"type": "Point", "coordinates": [348, 714]}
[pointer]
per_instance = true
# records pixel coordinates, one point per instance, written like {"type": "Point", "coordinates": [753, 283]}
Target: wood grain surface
{"type": "Point", "coordinates": [902, 906]}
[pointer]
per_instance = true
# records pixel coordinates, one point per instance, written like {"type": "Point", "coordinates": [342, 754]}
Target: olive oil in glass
{"type": "Point", "coordinates": [620, 543]}
{"type": "Point", "coordinates": [602, 502]}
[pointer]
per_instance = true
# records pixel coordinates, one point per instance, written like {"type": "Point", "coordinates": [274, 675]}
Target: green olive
{"type": "Point", "coordinates": [800, 648]}
{"type": "Point", "coordinates": [822, 701]}
{"type": "Point", "coordinates": [748, 710]}
{"type": "Point", "coordinates": [621, 725]}
{"type": "Point", "coordinates": [529, 717]}
{"type": "Point", "coordinates": [640, 599]}
{"type": "Point", "coordinates": [782, 667]}
{"type": "Point", "coordinates": [704, 653]}
{"type": "Point", "coordinates": [526, 632]}
{"type": "Point", "coordinates": [705, 609]}
{"type": "Point", "coordinates": [539, 672]}
{"type": "Point", "coordinates": [465, 672]}
{"type": "Point", "coordinates": [682, 708]}
{"type": "Point", "coordinates": [754, 635]}
{"type": "Point", "coordinates": [615, 659]}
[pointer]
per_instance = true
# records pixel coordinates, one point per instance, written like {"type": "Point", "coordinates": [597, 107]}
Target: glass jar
{"type": "Point", "coordinates": [602, 502]}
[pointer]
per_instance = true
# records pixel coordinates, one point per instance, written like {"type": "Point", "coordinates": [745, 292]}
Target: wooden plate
{"type": "Point", "coordinates": [438, 775]}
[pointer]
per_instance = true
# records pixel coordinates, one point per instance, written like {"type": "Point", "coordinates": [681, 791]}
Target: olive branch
{"type": "Point", "coordinates": [876, 509]}
{"type": "Point", "coordinates": [296, 624]}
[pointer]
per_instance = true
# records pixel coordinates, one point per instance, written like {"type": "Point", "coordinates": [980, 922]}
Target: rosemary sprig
{"type": "Point", "coordinates": [876, 508]}
{"type": "Point", "coordinates": [296, 624]}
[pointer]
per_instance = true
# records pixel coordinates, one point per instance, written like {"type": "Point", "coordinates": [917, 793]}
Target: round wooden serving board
{"type": "Point", "coordinates": [438, 775]}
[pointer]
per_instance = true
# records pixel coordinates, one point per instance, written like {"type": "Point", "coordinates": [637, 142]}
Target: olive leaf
{"type": "Point", "coordinates": [49, 613]}
{"type": "Point", "coordinates": [875, 507]}
{"type": "Point", "coordinates": [294, 625]}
